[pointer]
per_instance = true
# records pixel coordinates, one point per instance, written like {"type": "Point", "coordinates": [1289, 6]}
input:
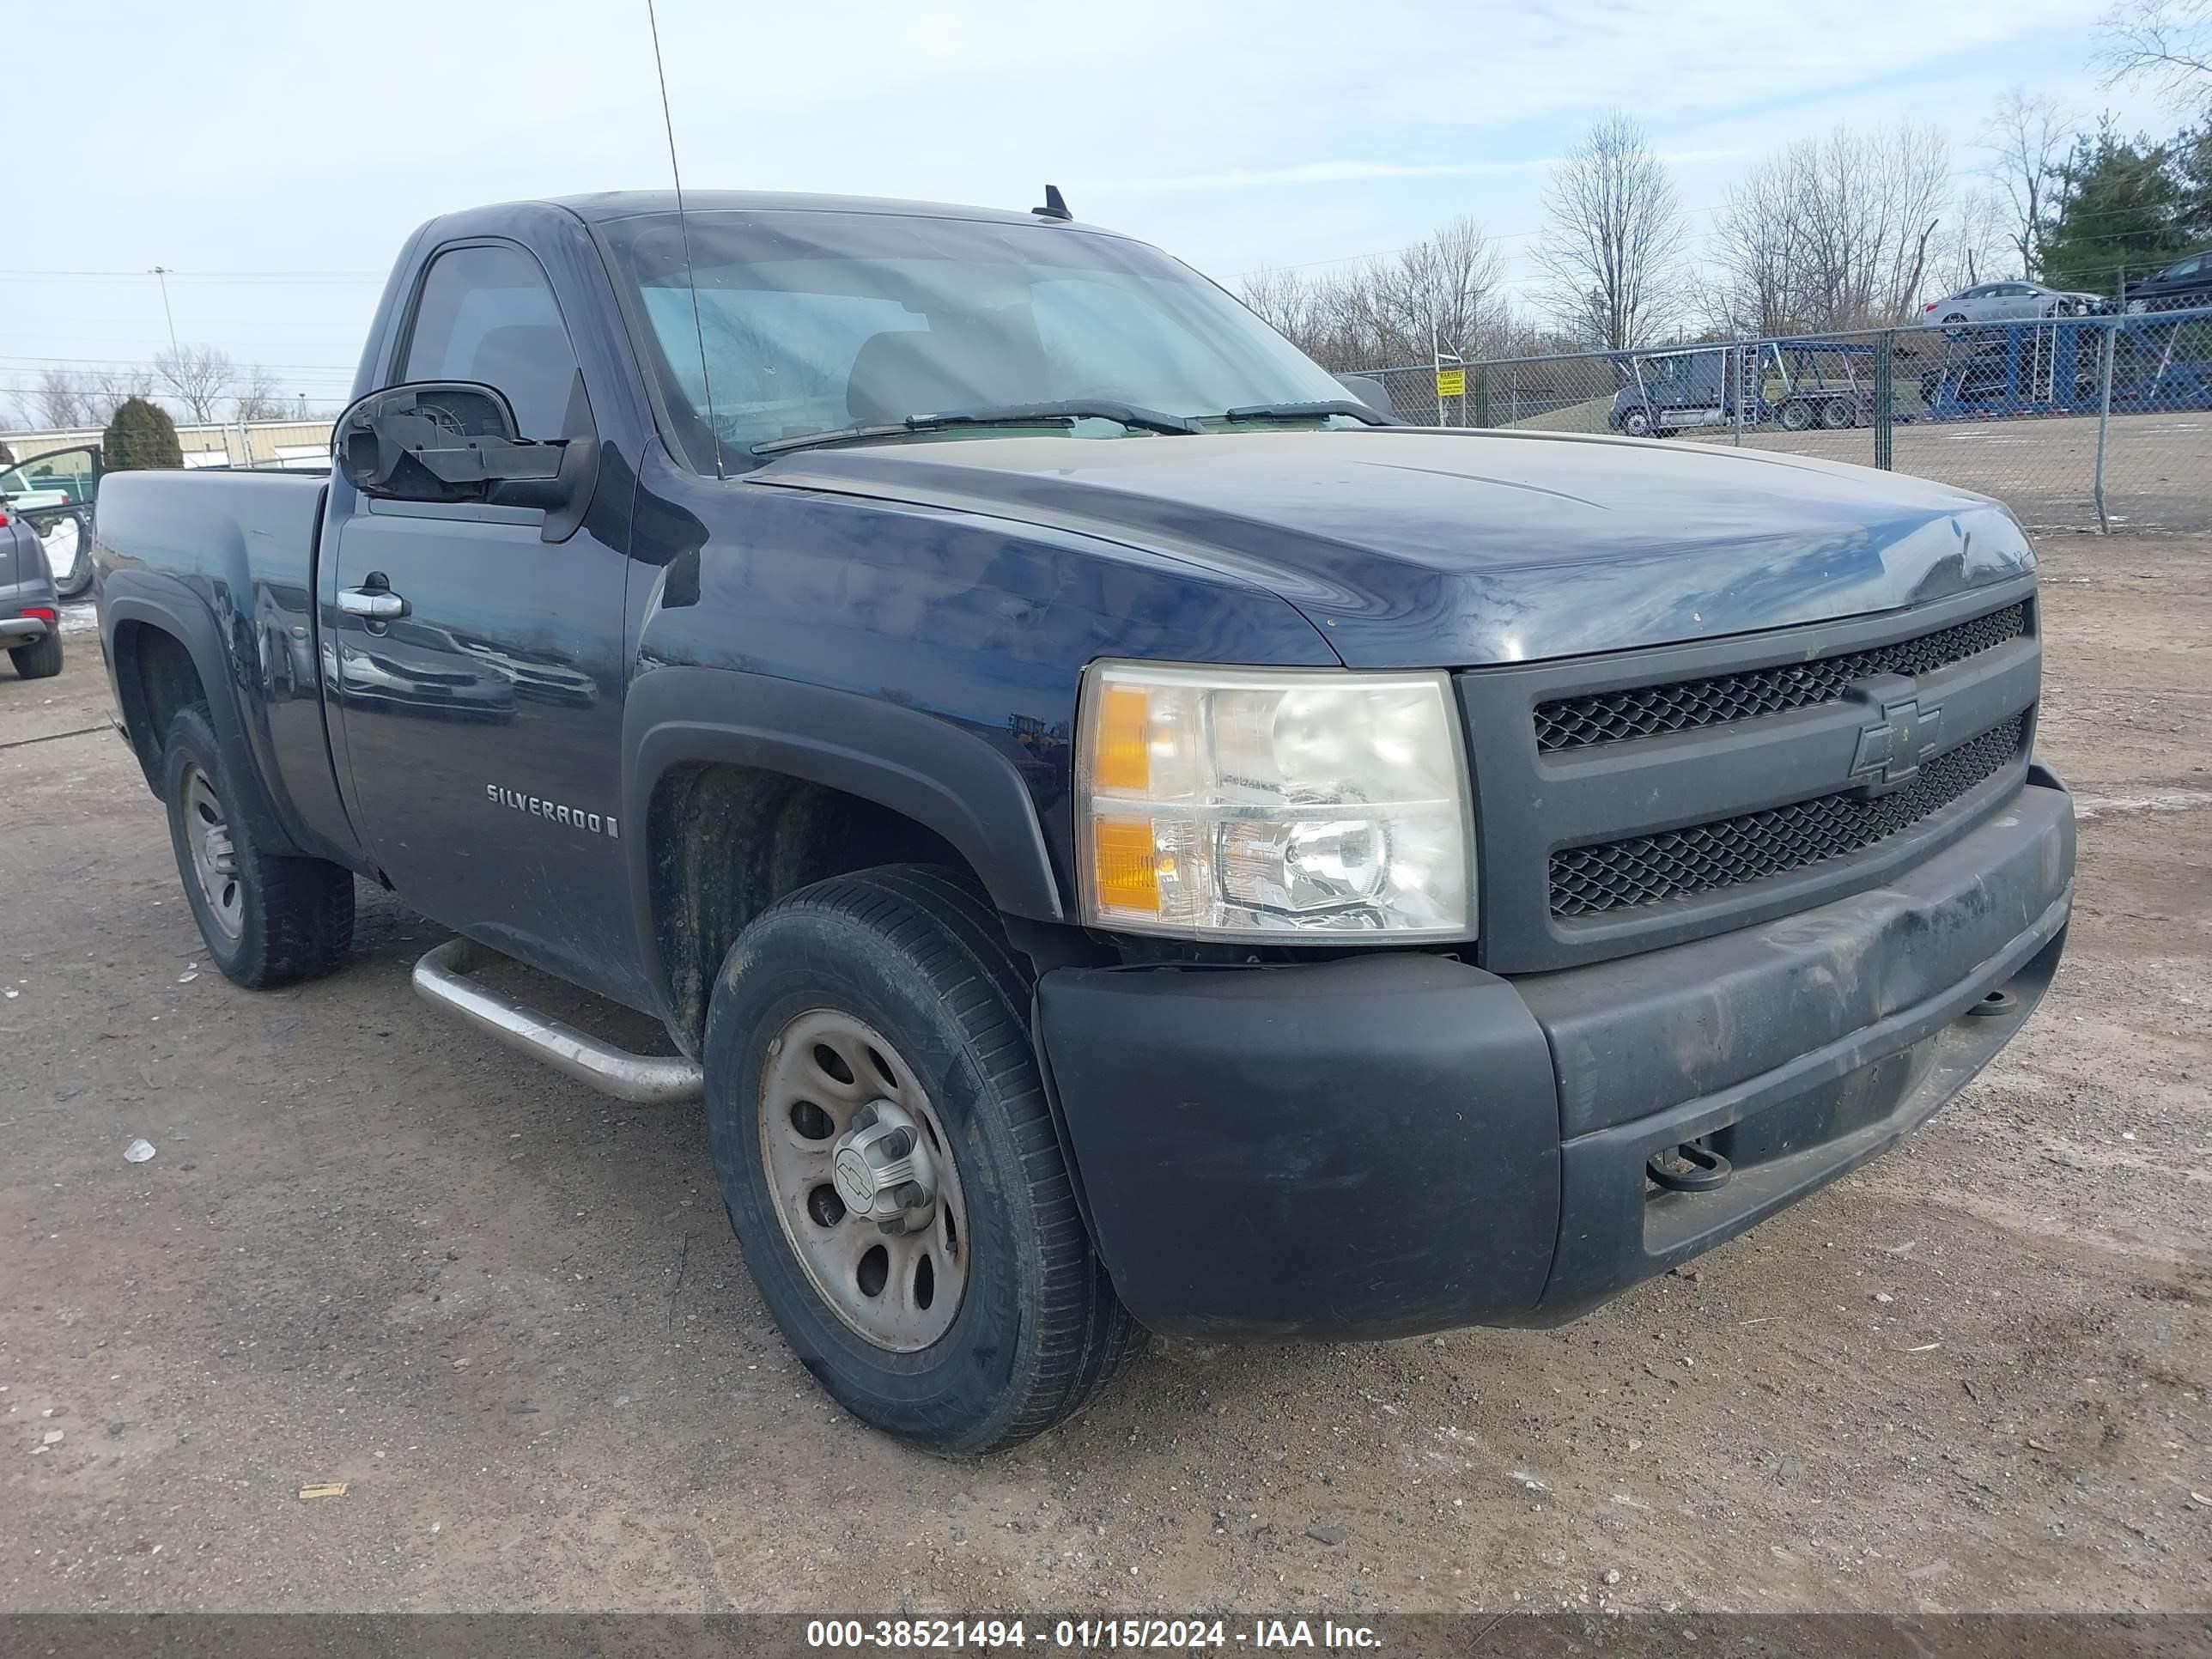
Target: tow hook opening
{"type": "Point", "coordinates": [1688, 1168]}
{"type": "Point", "coordinates": [1995, 1002]}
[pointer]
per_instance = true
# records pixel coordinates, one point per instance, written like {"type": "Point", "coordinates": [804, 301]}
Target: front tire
{"type": "Point", "coordinates": [41, 661]}
{"type": "Point", "coordinates": [889, 1004]}
{"type": "Point", "coordinates": [265, 920]}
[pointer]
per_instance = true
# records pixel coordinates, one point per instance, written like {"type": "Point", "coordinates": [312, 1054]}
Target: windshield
{"type": "Point", "coordinates": [818, 321]}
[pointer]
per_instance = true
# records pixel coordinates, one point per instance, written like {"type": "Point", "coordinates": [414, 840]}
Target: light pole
{"type": "Point", "coordinates": [161, 274]}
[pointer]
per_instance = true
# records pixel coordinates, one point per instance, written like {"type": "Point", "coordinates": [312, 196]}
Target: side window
{"type": "Point", "coordinates": [487, 314]}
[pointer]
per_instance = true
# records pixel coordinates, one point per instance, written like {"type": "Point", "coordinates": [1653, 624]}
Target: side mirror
{"type": "Point", "coordinates": [1369, 391]}
{"type": "Point", "coordinates": [453, 441]}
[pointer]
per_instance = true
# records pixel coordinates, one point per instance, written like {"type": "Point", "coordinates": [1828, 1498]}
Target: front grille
{"type": "Point", "coordinates": [1645, 711]}
{"type": "Point", "coordinates": [1645, 869]}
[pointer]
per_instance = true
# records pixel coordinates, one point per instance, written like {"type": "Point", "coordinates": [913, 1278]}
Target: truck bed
{"type": "Point", "coordinates": [174, 520]}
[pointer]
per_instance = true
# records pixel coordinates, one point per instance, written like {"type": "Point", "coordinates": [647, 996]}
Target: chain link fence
{"type": "Point", "coordinates": [2076, 423]}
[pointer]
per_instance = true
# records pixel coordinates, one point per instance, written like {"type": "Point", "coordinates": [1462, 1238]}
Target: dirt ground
{"type": "Point", "coordinates": [373, 1248]}
{"type": "Point", "coordinates": [2046, 468]}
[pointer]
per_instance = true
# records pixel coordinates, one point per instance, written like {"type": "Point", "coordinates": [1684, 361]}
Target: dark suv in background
{"type": "Point", "coordinates": [30, 622]}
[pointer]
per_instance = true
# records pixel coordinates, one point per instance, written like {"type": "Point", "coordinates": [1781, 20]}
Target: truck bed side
{"type": "Point", "coordinates": [208, 594]}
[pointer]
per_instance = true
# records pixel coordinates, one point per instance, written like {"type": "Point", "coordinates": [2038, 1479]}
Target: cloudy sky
{"type": "Point", "coordinates": [273, 155]}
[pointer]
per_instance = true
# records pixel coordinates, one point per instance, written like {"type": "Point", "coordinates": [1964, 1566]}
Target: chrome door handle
{"type": "Point", "coordinates": [377, 604]}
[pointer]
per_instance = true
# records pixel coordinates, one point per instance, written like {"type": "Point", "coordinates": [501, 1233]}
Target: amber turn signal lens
{"type": "Point", "coordinates": [1123, 762]}
{"type": "Point", "coordinates": [1125, 868]}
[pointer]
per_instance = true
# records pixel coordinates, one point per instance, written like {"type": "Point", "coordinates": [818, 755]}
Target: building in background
{"type": "Point", "coordinates": [304, 445]}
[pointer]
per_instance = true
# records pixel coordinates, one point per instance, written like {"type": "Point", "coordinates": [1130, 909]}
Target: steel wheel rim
{"type": "Point", "coordinates": [899, 1292]}
{"type": "Point", "coordinates": [214, 856]}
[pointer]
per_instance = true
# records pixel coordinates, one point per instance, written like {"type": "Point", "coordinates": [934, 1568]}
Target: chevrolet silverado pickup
{"type": "Point", "coordinates": [1122, 834]}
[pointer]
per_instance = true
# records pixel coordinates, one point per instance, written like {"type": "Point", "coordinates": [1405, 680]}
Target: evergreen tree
{"type": "Point", "coordinates": [141, 436]}
{"type": "Point", "coordinates": [2193, 153]}
{"type": "Point", "coordinates": [2122, 212]}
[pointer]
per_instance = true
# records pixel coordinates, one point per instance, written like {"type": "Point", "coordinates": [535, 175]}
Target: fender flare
{"type": "Point", "coordinates": [185, 617]}
{"type": "Point", "coordinates": [919, 765]}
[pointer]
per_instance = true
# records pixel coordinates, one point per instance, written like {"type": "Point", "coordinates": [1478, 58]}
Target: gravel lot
{"type": "Point", "coordinates": [2047, 467]}
{"type": "Point", "coordinates": [375, 1248]}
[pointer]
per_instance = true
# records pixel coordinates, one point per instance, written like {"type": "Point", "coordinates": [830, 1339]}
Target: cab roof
{"type": "Point", "coordinates": [605, 206]}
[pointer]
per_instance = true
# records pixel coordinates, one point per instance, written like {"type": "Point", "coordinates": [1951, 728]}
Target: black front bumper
{"type": "Point", "coordinates": [1392, 1143]}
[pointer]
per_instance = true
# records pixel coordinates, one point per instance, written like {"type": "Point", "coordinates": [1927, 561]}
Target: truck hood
{"type": "Point", "coordinates": [1410, 548]}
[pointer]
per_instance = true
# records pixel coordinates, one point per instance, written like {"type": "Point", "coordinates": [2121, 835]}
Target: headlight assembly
{"type": "Point", "coordinates": [1273, 803]}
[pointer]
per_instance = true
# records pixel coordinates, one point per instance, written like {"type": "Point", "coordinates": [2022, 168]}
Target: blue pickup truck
{"type": "Point", "coordinates": [1121, 834]}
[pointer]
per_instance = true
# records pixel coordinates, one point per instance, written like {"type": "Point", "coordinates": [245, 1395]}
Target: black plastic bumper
{"type": "Point", "coordinates": [1393, 1144]}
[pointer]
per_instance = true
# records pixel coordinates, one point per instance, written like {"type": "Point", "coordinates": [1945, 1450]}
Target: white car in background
{"type": "Point", "coordinates": [2007, 302]}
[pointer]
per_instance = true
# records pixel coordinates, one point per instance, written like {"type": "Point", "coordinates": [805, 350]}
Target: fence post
{"type": "Point", "coordinates": [1885, 400]}
{"type": "Point", "coordinates": [2105, 421]}
{"type": "Point", "coordinates": [1482, 397]}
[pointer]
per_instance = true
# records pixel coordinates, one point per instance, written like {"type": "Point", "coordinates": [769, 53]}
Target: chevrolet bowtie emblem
{"type": "Point", "coordinates": [1890, 748]}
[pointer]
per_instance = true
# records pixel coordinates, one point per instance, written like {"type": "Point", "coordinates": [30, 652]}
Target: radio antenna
{"type": "Point", "coordinates": [684, 229]}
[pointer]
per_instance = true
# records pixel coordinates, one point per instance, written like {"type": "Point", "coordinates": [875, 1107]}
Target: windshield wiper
{"type": "Point", "coordinates": [1313, 412]}
{"type": "Point", "coordinates": [1067, 413]}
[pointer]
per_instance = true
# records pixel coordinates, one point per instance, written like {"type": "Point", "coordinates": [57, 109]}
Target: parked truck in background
{"type": "Point", "coordinates": [1121, 834]}
{"type": "Point", "coordinates": [1794, 384]}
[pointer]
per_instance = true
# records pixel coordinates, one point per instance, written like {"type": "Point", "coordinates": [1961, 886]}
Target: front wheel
{"type": "Point", "coordinates": [1636, 423]}
{"type": "Point", "coordinates": [1795, 417]}
{"type": "Point", "coordinates": [889, 1162]}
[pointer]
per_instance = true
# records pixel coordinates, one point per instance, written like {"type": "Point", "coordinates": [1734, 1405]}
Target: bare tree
{"type": "Point", "coordinates": [2029, 138]}
{"type": "Point", "coordinates": [1976, 245]}
{"type": "Point", "coordinates": [2166, 42]}
{"type": "Point", "coordinates": [66, 399]}
{"type": "Point", "coordinates": [108, 390]}
{"type": "Point", "coordinates": [1437, 295]}
{"type": "Point", "coordinates": [58, 400]}
{"type": "Point", "coordinates": [1319, 315]}
{"type": "Point", "coordinates": [1833, 232]}
{"type": "Point", "coordinates": [259, 397]}
{"type": "Point", "coordinates": [1441, 295]}
{"type": "Point", "coordinates": [1611, 251]}
{"type": "Point", "coordinates": [200, 376]}
{"type": "Point", "coordinates": [1754, 251]}
{"type": "Point", "coordinates": [1281, 298]}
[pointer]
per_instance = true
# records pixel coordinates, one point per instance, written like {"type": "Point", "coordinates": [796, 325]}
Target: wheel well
{"type": "Point", "coordinates": [725, 842]}
{"type": "Point", "coordinates": [156, 677]}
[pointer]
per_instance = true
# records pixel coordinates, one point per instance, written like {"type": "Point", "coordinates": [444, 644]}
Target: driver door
{"type": "Point", "coordinates": [482, 722]}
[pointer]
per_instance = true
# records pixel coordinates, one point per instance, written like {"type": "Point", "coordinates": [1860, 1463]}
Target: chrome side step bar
{"type": "Point", "coordinates": [441, 976]}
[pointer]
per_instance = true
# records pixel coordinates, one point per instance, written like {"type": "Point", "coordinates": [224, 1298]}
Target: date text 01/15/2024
{"type": "Point", "coordinates": [1090, 1635]}
{"type": "Point", "coordinates": [600, 823]}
